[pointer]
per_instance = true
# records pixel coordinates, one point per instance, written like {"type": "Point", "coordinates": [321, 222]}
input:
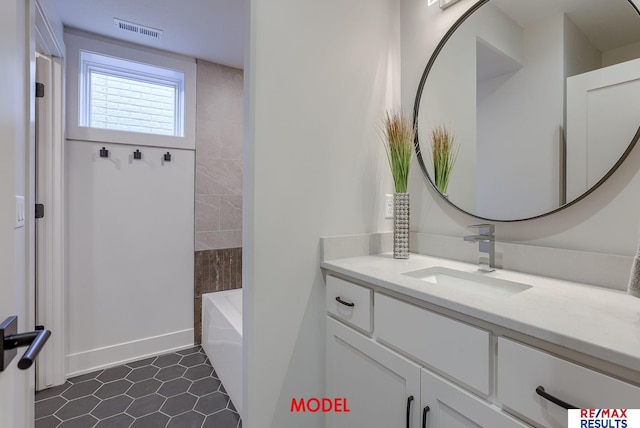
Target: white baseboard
{"type": "Point", "coordinates": [109, 356]}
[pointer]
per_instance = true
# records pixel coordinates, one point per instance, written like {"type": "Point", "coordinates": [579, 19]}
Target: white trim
{"type": "Point", "coordinates": [50, 233]}
{"type": "Point", "coordinates": [47, 41]}
{"type": "Point", "coordinates": [91, 62]}
{"type": "Point", "coordinates": [51, 370]}
{"type": "Point", "coordinates": [121, 353]}
{"type": "Point", "coordinates": [75, 42]}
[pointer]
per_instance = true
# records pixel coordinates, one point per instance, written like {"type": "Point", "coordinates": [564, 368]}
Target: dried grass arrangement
{"type": "Point", "coordinates": [398, 135]}
{"type": "Point", "coordinates": [444, 152]}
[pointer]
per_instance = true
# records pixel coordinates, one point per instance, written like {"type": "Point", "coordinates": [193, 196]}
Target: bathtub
{"type": "Point", "coordinates": [222, 339]}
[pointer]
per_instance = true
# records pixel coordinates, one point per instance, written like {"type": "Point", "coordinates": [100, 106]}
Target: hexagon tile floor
{"type": "Point", "coordinates": [177, 390]}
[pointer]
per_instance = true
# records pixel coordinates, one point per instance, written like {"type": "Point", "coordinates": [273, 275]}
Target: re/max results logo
{"type": "Point", "coordinates": [603, 418]}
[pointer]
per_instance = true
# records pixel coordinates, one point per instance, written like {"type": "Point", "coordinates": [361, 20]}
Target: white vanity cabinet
{"type": "Point", "coordinates": [350, 303]}
{"type": "Point", "coordinates": [449, 406]}
{"type": "Point", "coordinates": [460, 350]}
{"type": "Point", "coordinates": [380, 387]}
{"type": "Point", "coordinates": [523, 369]}
{"type": "Point", "coordinates": [383, 388]}
{"type": "Point", "coordinates": [390, 360]}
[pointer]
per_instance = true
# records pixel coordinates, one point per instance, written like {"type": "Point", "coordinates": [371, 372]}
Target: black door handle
{"type": "Point", "coordinates": [542, 393]}
{"type": "Point", "coordinates": [35, 340]}
{"type": "Point", "coordinates": [409, 401]}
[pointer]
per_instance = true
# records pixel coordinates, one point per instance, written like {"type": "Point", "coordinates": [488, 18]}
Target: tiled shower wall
{"type": "Point", "coordinates": [218, 240]}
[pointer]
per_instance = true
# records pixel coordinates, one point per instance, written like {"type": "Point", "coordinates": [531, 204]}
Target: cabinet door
{"type": "Point", "coordinates": [375, 382]}
{"type": "Point", "coordinates": [523, 369]}
{"type": "Point", "coordinates": [452, 407]}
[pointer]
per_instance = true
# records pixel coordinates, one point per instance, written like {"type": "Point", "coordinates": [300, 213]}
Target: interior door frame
{"type": "Point", "coordinates": [50, 232]}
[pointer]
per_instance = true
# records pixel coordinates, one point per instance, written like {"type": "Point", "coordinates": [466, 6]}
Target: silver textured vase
{"type": "Point", "coordinates": [400, 225]}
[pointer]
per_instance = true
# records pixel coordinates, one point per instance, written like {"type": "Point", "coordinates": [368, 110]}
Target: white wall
{"type": "Point", "coordinates": [606, 222]}
{"type": "Point", "coordinates": [318, 77]}
{"type": "Point", "coordinates": [130, 253]}
{"type": "Point", "coordinates": [580, 55]}
{"type": "Point", "coordinates": [519, 124]}
{"type": "Point", "coordinates": [130, 228]}
{"type": "Point", "coordinates": [621, 54]}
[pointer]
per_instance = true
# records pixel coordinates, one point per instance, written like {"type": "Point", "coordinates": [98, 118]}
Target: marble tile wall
{"type": "Point", "coordinates": [218, 157]}
{"type": "Point", "coordinates": [215, 270]}
{"type": "Point", "coordinates": [218, 199]}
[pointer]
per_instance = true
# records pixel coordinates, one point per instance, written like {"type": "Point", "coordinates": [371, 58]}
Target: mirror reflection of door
{"type": "Point", "coordinates": [597, 128]}
{"type": "Point", "coordinates": [500, 83]}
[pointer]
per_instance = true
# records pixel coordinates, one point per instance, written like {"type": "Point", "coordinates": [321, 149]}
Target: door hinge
{"type": "Point", "coordinates": [39, 90]}
{"type": "Point", "coordinates": [39, 210]}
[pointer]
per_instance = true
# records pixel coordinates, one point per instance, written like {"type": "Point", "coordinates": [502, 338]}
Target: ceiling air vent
{"type": "Point", "coordinates": [137, 28]}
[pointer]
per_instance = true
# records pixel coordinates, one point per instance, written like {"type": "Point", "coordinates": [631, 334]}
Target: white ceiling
{"type": "Point", "coordinates": [607, 23]}
{"type": "Point", "coordinates": [212, 30]}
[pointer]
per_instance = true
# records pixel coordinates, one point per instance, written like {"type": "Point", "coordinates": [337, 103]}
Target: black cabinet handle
{"type": "Point", "coordinates": [542, 393]}
{"type": "Point", "coordinates": [350, 304]}
{"type": "Point", "coordinates": [424, 416]}
{"type": "Point", "coordinates": [137, 154]}
{"type": "Point", "coordinates": [409, 401]}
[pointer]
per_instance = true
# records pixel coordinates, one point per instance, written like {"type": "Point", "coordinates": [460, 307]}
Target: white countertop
{"type": "Point", "coordinates": [598, 322]}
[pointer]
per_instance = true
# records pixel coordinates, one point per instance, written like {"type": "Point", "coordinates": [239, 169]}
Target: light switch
{"type": "Point", "coordinates": [20, 214]}
{"type": "Point", "coordinates": [388, 205]}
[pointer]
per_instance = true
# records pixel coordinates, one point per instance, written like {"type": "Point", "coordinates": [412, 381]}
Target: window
{"type": "Point", "coordinates": [123, 95]}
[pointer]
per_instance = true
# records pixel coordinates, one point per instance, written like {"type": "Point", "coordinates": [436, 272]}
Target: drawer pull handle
{"type": "Point", "coordinates": [424, 416]}
{"type": "Point", "coordinates": [409, 401]}
{"type": "Point", "coordinates": [350, 304]}
{"type": "Point", "coordinates": [542, 393]}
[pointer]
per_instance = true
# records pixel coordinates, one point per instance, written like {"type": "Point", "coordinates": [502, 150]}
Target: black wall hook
{"type": "Point", "coordinates": [167, 157]}
{"type": "Point", "coordinates": [104, 153]}
{"type": "Point", "coordinates": [137, 154]}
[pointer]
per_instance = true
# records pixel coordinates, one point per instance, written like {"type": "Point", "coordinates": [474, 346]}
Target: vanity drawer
{"type": "Point", "coordinates": [522, 369]}
{"type": "Point", "coordinates": [349, 302]}
{"type": "Point", "coordinates": [452, 347]}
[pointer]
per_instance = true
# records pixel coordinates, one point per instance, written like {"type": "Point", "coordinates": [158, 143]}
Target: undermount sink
{"type": "Point", "coordinates": [468, 282]}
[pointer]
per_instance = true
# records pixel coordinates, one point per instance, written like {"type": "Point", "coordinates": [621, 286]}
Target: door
{"type": "Point", "coordinates": [380, 388]}
{"type": "Point", "coordinates": [16, 253]}
{"type": "Point", "coordinates": [598, 129]}
{"type": "Point", "coordinates": [445, 405]}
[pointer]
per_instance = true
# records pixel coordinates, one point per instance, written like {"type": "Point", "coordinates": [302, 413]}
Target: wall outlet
{"type": "Point", "coordinates": [388, 205]}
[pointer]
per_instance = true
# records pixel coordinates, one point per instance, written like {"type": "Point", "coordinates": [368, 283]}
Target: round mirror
{"type": "Point", "coordinates": [539, 102]}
